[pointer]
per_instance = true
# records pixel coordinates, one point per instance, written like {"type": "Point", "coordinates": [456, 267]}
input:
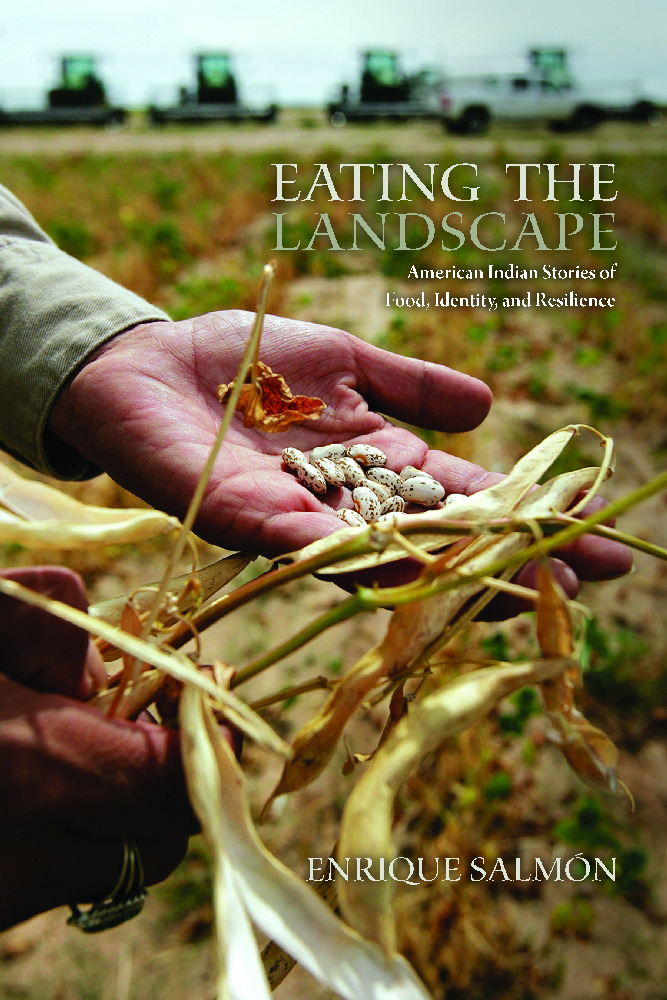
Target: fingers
{"type": "Point", "coordinates": [46, 868]}
{"type": "Point", "coordinates": [420, 392]}
{"type": "Point", "coordinates": [67, 765]}
{"type": "Point", "coordinates": [40, 650]}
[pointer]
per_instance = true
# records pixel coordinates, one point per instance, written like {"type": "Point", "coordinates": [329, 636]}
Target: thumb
{"type": "Point", "coordinates": [420, 392]}
{"type": "Point", "coordinates": [42, 651]}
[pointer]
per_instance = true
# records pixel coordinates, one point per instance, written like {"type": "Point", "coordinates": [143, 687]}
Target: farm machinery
{"type": "Point", "coordinates": [386, 92]}
{"type": "Point", "coordinates": [214, 98]}
{"type": "Point", "coordinates": [79, 98]}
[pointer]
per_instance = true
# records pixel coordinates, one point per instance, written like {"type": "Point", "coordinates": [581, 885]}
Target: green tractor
{"type": "Point", "coordinates": [215, 97]}
{"type": "Point", "coordinates": [386, 92]}
{"type": "Point", "coordinates": [79, 98]}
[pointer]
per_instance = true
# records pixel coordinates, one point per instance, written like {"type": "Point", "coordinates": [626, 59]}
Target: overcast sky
{"type": "Point", "coordinates": [297, 51]}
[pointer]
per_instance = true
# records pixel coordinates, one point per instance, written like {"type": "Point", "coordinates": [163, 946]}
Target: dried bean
{"type": "Point", "coordinates": [384, 476]}
{"type": "Point", "coordinates": [293, 458]}
{"type": "Point", "coordinates": [455, 496]}
{"type": "Point", "coordinates": [394, 505]}
{"type": "Point", "coordinates": [366, 503]}
{"type": "Point", "coordinates": [312, 478]}
{"type": "Point", "coordinates": [409, 472]}
{"type": "Point", "coordinates": [423, 490]}
{"type": "Point", "coordinates": [350, 517]}
{"type": "Point", "coordinates": [331, 451]}
{"type": "Point", "coordinates": [352, 471]}
{"type": "Point", "coordinates": [366, 454]}
{"type": "Point", "coordinates": [331, 472]}
{"type": "Point", "coordinates": [381, 492]}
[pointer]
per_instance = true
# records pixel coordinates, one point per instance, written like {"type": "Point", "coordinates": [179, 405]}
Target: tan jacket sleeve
{"type": "Point", "coordinates": [54, 312]}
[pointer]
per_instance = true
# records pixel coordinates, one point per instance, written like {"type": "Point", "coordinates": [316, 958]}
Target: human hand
{"type": "Point", "coordinates": [145, 409]}
{"type": "Point", "coordinates": [74, 782]}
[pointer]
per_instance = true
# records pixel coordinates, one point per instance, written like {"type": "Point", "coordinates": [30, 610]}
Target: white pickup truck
{"type": "Point", "coordinates": [469, 104]}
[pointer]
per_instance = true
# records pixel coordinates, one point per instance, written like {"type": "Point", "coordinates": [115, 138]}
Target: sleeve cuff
{"type": "Point", "coordinates": [54, 312]}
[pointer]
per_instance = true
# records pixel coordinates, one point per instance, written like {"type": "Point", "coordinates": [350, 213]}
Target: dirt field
{"type": "Point", "coordinates": [307, 130]}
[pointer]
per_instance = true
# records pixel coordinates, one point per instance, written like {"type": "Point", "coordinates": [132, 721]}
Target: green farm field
{"type": "Point", "coordinates": [190, 229]}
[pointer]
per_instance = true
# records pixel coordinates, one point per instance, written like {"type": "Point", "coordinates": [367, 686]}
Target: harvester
{"type": "Point", "coordinates": [386, 92]}
{"type": "Point", "coordinates": [79, 98]}
{"type": "Point", "coordinates": [214, 98]}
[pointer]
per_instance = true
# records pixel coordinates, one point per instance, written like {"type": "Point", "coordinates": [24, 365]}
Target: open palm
{"type": "Point", "coordinates": [145, 409]}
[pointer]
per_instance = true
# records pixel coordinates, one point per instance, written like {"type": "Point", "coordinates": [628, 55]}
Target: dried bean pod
{"type": "Point", "coordinates": [312, 478]}
{"type": "Point", "coordinates": [331, 451]}
{"type": "Point", "coordinates": [329, 470]}
{"type": "Point", "coordinates": [455, 496]}
{"type": "Point", "coordinates": [350, 517]}
{"type": "Point", "coordinates": [409, 472]}
{"type": "Point", "coordinates": [352, 471]}
{"type": "Point", "coordinates": [394, 505]}
{"type": "Point", "coordinates": [385, 477]}
{"type": "Point", "coordinates": [381, 492]}
{"type": "Point", "coordinates": [293, 458]}
{"type": "Point", "coordinates": [421, 489]}
{"type": "Point", "coordinates": [366, 454]}
{"type": "Point", "coordinates": [366, 503]}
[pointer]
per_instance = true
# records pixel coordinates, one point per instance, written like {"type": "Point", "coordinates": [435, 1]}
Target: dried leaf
{"type": "Point", "coordinates": [366, 825]}
{"type": "Point", "coordinates": [278, 902]}
{"type": "Point", "coordinates": [268, 404]}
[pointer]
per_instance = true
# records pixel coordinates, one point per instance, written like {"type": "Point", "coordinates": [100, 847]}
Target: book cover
{"type": "Point", "coordinates": [477, 187]}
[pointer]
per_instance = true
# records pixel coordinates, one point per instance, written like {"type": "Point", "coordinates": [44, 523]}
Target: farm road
{"type": "Point", "coordinates": [306, 132]}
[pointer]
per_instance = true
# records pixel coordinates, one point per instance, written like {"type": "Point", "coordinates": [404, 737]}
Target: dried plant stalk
{"type": "Point", "coordinates": [366, 825]}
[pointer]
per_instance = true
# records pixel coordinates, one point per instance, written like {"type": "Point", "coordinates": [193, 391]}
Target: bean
{"type": "Point", "coordinates": [331, 451]}
{"type": "Point", "coordinates": [312, 478]}
{"type": "Point", "coordinates": [394, 505]}
{"type": "Point", "coordinates": [421, 489]}
{"type": "Point", "coordinates": [331, 472]}
{"type": "Point", "coordinates": [350, 517]}
{"type": "Point", "coordinates": [366, 454]}
{"type": "Point", "coordinates": [351, 470]}
{"type": "Point", "coordinates": [293, 458]}
{"type": "Point", "coordinates": [381, 492]}
{"type": "Point", "coordinates": [409, 472]}
{"type": "Point", "coordinates": [453, 497]}
{"type": "Point", "coordinates": [366, 503]}
{"type": "Point", "coordinates": [384, 476]}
